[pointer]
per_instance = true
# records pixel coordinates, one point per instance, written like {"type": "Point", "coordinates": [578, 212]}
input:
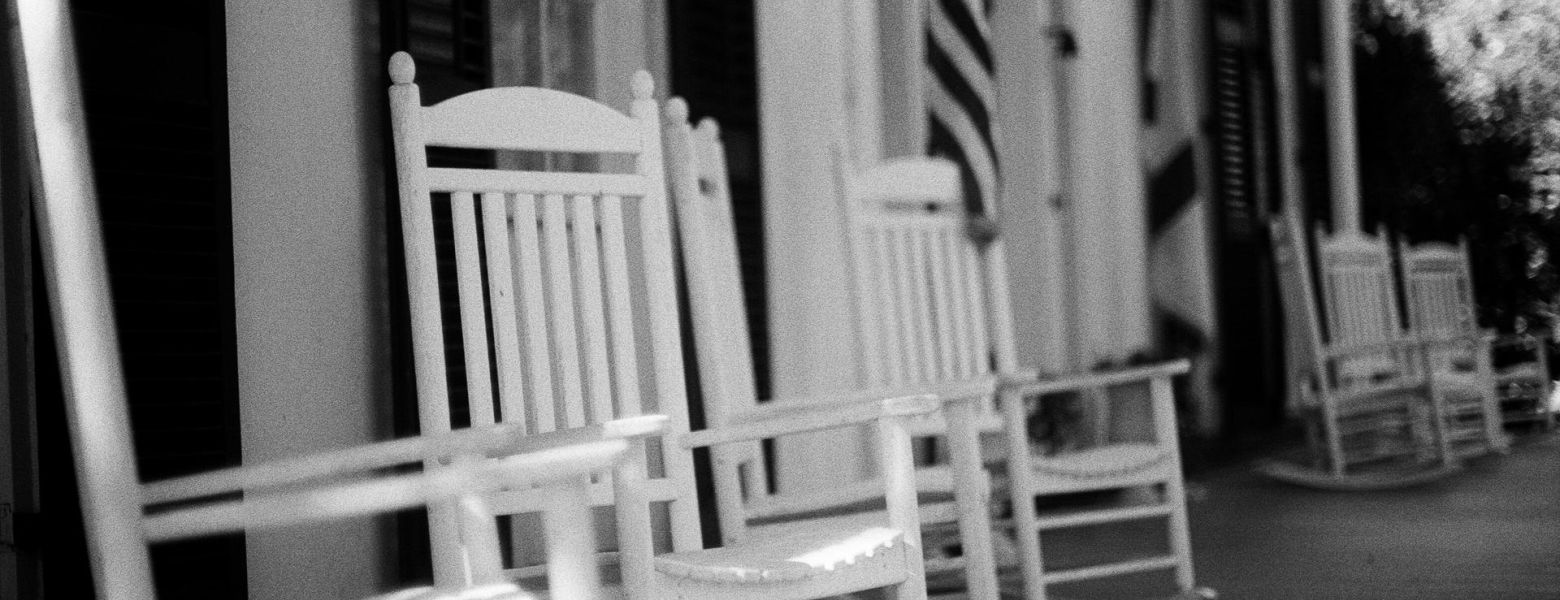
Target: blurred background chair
{"type": "Point", "coordinates": [1364, 393]}
{"type": "Point", "coordinates": [1438, 287]}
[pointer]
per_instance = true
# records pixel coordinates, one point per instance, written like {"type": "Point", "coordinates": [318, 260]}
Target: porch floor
{"type": "Point", "coordinates": [1490, 532]}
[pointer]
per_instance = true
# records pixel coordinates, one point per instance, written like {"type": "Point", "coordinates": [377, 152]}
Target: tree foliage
{"type": "Point", "coordinates": [1456, 138]}
{"type": "Point", "coordinates": [1500, 59]}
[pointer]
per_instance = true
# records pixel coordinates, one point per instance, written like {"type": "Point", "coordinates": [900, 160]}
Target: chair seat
{"type": "Point", "coordinates": [791, 551]}
{"type": "Point", "coordinates": [1103, 462]}
{"type": "Point", "coordinates": [497, 591]}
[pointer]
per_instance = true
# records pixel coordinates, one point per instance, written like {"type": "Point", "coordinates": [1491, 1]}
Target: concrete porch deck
{"type": "Point", "coordinates": [1491, 532]}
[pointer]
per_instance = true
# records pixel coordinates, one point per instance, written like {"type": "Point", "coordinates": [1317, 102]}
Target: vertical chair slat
{"type": "Point", "coordinates": [866, 302]}
{"type": "Point", "coordinates": [587, 278]}
{"type": "Point", "coordinates": [959, 307]}
{"type": "Point", "coordinates": [920, 299]}
{"type": "Point", "coordinates": [501, 289]}
{"type": "Point", "coordinates": [527, 258]}
{"type": "Point", "coordinates": [888, 317]}
{"type": "Point", "coordinates": [473, 310]}
{"type": "Point", "coordinates": [561, 308]}
{"type": "Point", "coordinates": [905, 345]}
{"type": "Point", "coordinates": [948, 349]}
{"type": "Point", "coordinates": [614, 259]}
{"type": "Point", "coordinates": [979, 313]}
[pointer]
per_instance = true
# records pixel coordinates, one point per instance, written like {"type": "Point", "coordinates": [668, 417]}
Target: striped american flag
{"type": "Point", "coordinates": [961, 96]}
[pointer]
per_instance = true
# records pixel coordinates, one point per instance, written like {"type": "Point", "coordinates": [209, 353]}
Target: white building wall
{"type": "Point", "coordinates": [309, 266]}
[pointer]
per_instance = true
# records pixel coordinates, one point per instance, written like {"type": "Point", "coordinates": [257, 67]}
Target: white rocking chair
{"type": "Point", "coordinates": [748, 508]}
{"type": "Point", "coordinates": [123, 516]}
{"type": "Point", "coordinates": [580, 293]}
{"type": "Point", "coordinates": [933, 310]}
{"type": "Point", "coordinates": [1365, 394]}
{"type": "Point", "coordinates": [1438, 283]}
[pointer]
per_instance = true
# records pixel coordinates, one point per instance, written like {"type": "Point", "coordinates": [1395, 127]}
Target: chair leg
{"type": "Point", "coordinates": [1026, 523]}
{"type": "Point", "coordinates": [1180, 534]}
{"type": "Point", "coordinates": [972, 496]}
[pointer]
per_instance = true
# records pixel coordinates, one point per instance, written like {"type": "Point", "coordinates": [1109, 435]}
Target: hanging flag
{"type": "Point", "coordinates": [961, 96]}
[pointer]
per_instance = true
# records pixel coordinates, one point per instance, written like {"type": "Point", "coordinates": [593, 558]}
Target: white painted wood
{"type": "Point", "coordinates": [1367, 373]}
{"type": "Point", "coordinates": [557, 122]}
{"type": "Point", "coordinates": [1438, 294]}
{"type": "Point", "coordinates": [473, 313]}
{"type": "Point", "coordinates": [70, 241]}
{"type": "Point", "coordinates": [552, 252]}
{"type": "Point", "coordinates": [546, 276]}
{"type": "Point", "coordinates": [448, 179]}
{"type": "Point", "coordinates": [527, 257]}
{"type": "Point", "coordinates": [113, 499]}
{"type": "Point", "coordinates": [501, 288]}
{"type": "Point", "coordinates": [707, 239]}
{"type": "Point", "coordinates": [924, 338]}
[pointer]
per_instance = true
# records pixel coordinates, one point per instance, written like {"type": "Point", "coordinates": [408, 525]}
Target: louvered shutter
{"type": "Point", "coordinates": [1251, 378]}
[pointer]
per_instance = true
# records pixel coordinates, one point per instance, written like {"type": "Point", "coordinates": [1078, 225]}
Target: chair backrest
{"type": "Point", "coordinates": [1359, 294]}
{"type": "Point", "coordinates": [1358, 289]}
{"type": "Point", "coordinates": [564, 281]}
{"type": "Point", "coordinates": [696, 172]}
{"type": "Point", "coordinates": [1438, 288]}
{"type": "Point", "coordinates": [1303, 333]}
{"type": "Point", "coordinates": [931, 307]}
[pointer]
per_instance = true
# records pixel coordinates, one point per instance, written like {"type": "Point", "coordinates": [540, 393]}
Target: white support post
{"type": "Point", "coordinates": [1343, 149]}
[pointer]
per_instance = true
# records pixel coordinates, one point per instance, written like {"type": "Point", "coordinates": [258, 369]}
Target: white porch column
{"type": "Point", "coordinates": [1343, 147]}
{"type": "Point", "coordinates": [803, 55]}
{"type": "Point", "coordinates": [308, 214]}
{"type": "Point", "coordinates": [1108, 201]}
{"type": "Point", "coordinates": [1029, 150]}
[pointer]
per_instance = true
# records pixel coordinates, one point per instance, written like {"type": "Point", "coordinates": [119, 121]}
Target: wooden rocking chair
{"type": "Point", "coordinates": [1438, 284]}
{"type": "Point", "coordinates": [581, 303]}
{"type": "Point", "coordinates": [1365, 395]}
{"type": "Point", "coordinates": [123, 516]}
{"type": "Point", "coordinates": [697, 168]}
{"type": "Point", "coordinates": [933, 310]}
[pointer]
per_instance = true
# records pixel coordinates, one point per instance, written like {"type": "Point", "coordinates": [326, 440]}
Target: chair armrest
{"type": "Point", "coordinates": [772, 421]}
{"type": "Point", "coordinates": [385, 494]}
{"type": "Point", "coordinates": [491, 441]}
{"type": "Point", "coordinates": [967, 390]}
{"type": "Point", "coordinates": [1072, 382]}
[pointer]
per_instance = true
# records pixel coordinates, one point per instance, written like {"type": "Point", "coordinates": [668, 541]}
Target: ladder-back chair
{"type": "Point", "coordinates": [565, 289]}
{"type": "Point", "coordinates": [1363, 393]}
{"type": "Point", "coordinates": [1439, 287]}
{"type": "Point", "coordinates": [123, 516]}
{"type": "Point", "coordinates": [1438, 291]}
{"type": "Point", "coordinates": [933, 308]}
{"type": "Point", "coordinates": [747, 505]}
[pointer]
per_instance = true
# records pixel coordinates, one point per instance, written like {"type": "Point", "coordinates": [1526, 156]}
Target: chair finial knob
{"type": "Point", "coordinates": [402, 68]}
{"type": "Point", "coordinates": [677, 110]}
{"type": "Point", "coordinates": [643, 85]}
